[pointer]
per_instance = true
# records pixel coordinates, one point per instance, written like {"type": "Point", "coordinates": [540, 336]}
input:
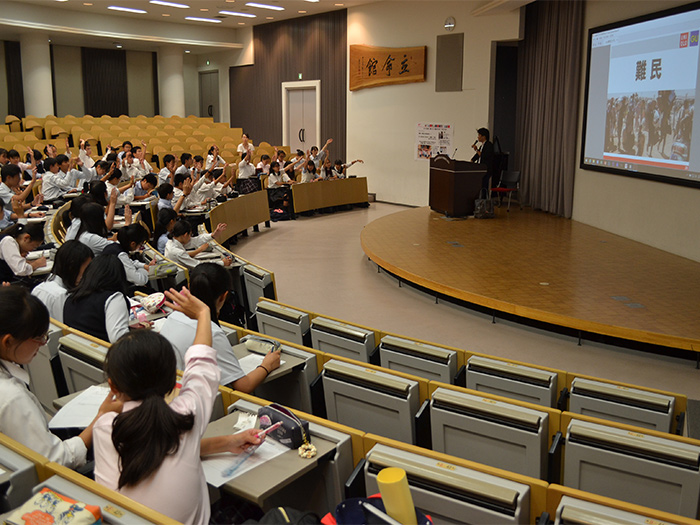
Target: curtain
{"type": "Point", "coordinates": [15, 87]}
{"type": "Point", "coordinates": [104, 82]}
{"type": "Point", "coordinates": [549, 65]}
{"type": "Point", "coordinates": [316, 47]}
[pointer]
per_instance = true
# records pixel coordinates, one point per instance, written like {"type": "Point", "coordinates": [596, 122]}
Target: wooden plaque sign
{"type": "Point", "coordinates": [380, 66]}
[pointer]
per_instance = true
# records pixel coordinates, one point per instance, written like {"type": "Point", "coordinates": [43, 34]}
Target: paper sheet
{"type": "Point", "coordinates": [214, 466]}
{"type": "Point", "coordinates": [81, 410]}
{"type": "Point", "coordinates": [252, 361]}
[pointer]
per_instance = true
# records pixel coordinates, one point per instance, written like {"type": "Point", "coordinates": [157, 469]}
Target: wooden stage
{"type": "Point", "coordinates": [554, 270]}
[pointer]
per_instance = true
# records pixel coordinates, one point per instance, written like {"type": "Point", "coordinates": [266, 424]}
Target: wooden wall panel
{"type": "Point", "coordinates": [314, 46]}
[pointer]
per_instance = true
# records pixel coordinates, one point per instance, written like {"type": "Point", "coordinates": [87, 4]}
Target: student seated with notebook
{"type": "Point", "coordinates": [24, 323]}
{"type": "Point", "coordinates": [151, 451]}
{"type": "Point", "coordinates": [182, 248]}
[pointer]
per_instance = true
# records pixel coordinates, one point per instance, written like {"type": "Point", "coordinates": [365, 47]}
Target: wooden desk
{"type": "Point", "coordinates": [241, 213]}
{"type": "Point", "coordinates": [323, 194]}
{"type": "Point", "coordinates": [262, 482]}
{"type": "Point", "coordinates": [291, 362]}
{"type": "Point", "coordinates": [454, 185]}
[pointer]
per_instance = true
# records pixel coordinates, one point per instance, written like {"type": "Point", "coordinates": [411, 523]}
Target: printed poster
{"type": "Point", "coordinates": [433, 139]}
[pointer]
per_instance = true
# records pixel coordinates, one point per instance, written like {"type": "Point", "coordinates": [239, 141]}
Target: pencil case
{"type": "Point", "coordinates": [293, 433]}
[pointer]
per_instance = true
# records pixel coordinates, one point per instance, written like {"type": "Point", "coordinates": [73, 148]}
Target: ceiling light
{"type": "Point", "coordinates": [269, 17]}
{"type": "Point", "coordinates": [204, 9]}
{"type": "Point", "coordinates": [187, 51]}
{"type": "Point", "coordinates": [126, 9]}
{"type": "Point", "coordinates": [339, 5]}
{"type": "Point", "coordinates": [236, 13]}
{"type": "Point", "coordinates": [166, 14]}
{"type": "Point", "coordinates": [196, 19]}
{"type": "Point", "coordinates": [241, 23]}
{"type": "Point", "coordinates": [302, 12]}
{"type": "Point", "coordinates": [61, 0]}
{"type": "Point", "coordinates": [315, 1]}
{"type": "Point", "coordinates": [169, 4]}
{"type": "Point", "coordinates": [265, 6]}
{"type": "Point", "coordinates": [87, 3]}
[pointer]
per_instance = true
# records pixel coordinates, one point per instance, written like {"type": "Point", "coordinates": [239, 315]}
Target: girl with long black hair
{"type": "Point", "coordinates": [211, 283]}
{"type": "Point", "coordinates": [151, 451]}
{"type": "Point", "coordinates": [98, 305]}
{"type": "Point", "coordinates": [24, 322]}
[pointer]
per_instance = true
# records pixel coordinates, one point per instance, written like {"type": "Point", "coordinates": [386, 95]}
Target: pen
{"type": "Point", "coordinates": [228, 472]}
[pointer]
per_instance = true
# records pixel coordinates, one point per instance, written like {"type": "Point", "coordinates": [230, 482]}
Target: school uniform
{"type": "Point", "coordinates": [72, 230]}
{"type": "Point", "coordinates": [164, 176]}
{"type": "Point", "coordinates": [178, 488]}
{"type": "Point", "coordinates": [95, 242]}
{"type": "Point", "coordinates": [246, 177]}
{"type": "Point", "coordinates": [52, 292]}
{"type": "Point", "coordinates": [14, 262]}
{"type": "Point", "coordinates": [177, 252]}
{"type": "Point", "coordinates": [104, 315]}
{"type": "Point", "coordinates": [23, 419]}
{"type": "Point", "coordinates": [138, 170]}
{"type": "Point", "coordinates": [136, 272]}
{"type": "Point", "coordinates": [55, 185]}
{"type": "Point", "coordinates": [6, 194]}
{"type": "Point", "coordinates": [180, 331]}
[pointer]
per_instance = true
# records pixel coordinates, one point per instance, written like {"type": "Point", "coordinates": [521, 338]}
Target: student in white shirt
{"type": "Point", "coordinates": [212, 283]}
{"type": "Point", "coordinates": [24, 323]}
{"type": "Point", "coordinates": [186, 164]}
{"type": "Point", "coordinates": [98, 305]}
{"type": "Point", "coordinates": [278, 185]}
{"type": "Point", "coordinates": [164, 225]}
{"type": "Point", "coordinates": [93, 231]}
{"type": "Point", "coordinates": [135, 164]}
{"type": "Point", "coordinates": [182, 248]}
{"type": "Point", "coordinates": [263, 166]}
{"type": "Point", "coordinates": [69, 264]}
{"type": "Point", "coordinates": [130, 240]}
{"type": "Point", "coordinates": [340, 170]}
{"type": "Point", "coordinates": [85, 154]}
{"type": "Point", "coordinates": [144, 188]}
{"type": "Point", "coordinates": [11, 176]}
{"type": "Point", "coordinates": [151, 451]}
{"type": "Point", "coordinates": [213, 159]}
{"type": "Point", "coordinates": [247, 181]}
{"type": "Point", "coordinates": [167, 200]}
{"type": "Point", "coordinates": [126, 148]}
{"type": "Point", "coordinates": [246, 146]}
{"type": "Point", "coordinates": [126, 193]}
{"type": "Point", "coordinates": [14, 158]}
{"type": "Point", "coordinates": [56, 183]}
{"type": "Point", "coordinates": [319, 156]}
{"type": "Point", "coordinates": [309, 172]}
{"type": "Point", "coordinates": [168, 171]}
{"type": "Point", "coordinates": [16, 242]}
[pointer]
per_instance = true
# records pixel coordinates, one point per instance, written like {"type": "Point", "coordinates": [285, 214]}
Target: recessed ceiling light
{"type": "Point", "coordinates": [126, 9]}
{"type": "Point", "coordinates": [314, 1]}
{"type": "Point", "coordinates": [118, 46]}
{"type": "Point", "coordinates": [166, 14]}
{"type": "Point", "coordinates": [187, 51]}
{"type": "Point", "coordinates": [339, 5]}
{"type": "Point", "coordinates": [87, 3]}
{"type": "Point", "coordinates": [204, 9]}
{"type": "Point", "coordinates": [302, 12]}
{"type": "Point", "coordinates": [169, 4]}
{"type": "Point", "coordinates": [196, 19]}
{"type": "Point", "coordinates": [236, 13]}
{"type": "Point", "coordinates": [241, 23]}
{"type": "Point", "coordinates": [61, 0]}
{"type": "Point", "coordinates": [230, 1]}
{"type": "Point", "coordinates": [269, 17]}
{"type": "Point", "coordinates": [265, 6]}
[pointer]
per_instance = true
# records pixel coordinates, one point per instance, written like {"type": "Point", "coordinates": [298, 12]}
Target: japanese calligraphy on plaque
{"type": "Point", "coordinates": [381, 66]}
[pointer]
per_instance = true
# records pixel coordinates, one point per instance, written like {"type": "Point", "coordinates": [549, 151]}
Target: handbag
{"type": "Point", "coordinates": [483, 207]}
{"type": "Point", "coordinates": [293, 433]}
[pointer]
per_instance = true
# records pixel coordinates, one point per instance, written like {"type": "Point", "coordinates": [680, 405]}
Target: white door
{"type": "Point", "coordinates": [301, 114]}
{"type": "Point", "coordinates": [209, 95]}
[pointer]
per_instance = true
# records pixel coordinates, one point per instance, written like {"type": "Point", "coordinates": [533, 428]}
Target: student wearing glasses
{"type": "Point", "coordinates": [24, 322]}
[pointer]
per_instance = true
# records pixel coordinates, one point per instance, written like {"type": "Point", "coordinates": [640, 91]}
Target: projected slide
{"type": "Point", "coordinates": [640, 106]}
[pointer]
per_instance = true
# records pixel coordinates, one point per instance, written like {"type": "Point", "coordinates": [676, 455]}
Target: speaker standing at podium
{"type": "Point", "coordinates": [484, 154]}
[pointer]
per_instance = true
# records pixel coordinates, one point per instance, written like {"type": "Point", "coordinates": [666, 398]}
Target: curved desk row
{"type": "Point", "coordinates": [324, 194]}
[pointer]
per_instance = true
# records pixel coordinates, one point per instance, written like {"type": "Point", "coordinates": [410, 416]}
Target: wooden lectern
{"type": "Point", "coordinates": [454, 185]}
